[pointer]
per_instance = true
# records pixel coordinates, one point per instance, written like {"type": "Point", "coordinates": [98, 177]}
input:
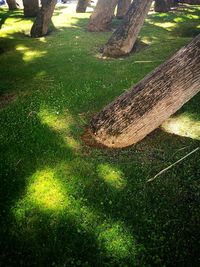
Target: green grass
{"type": "Point", "coordinates": [66, 204]}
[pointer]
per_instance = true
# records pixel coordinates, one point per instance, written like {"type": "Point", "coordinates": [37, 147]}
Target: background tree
{"type": "Point", "coordinates": [82, 6]}
{"type": "Point", "coordinates": [162, 5]}
{"type": "Point", "coordinates": [123, 39]}
{"type": "Point", "coordinates": [142, 109]}
{"type": "Point", "coordinates": [122, 8]}
{"type": "Point", "coordinates": [31, 8]}
{"type": "Point", "coordinates": [102, 16]}
{"type": "Point", "coordinates": [41, 24]}
{"type": "Point", "coordinates": [12, 5]}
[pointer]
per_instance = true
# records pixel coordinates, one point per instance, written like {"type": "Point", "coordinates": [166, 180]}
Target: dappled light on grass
{"type": "Point", "coordinates": [29, 55]}
{"type": "Point", "coordinates": [183, 125]}
{"type": "Point", "coordinates": [60, 123]}
{"type": "Point", "coordinates": [51, 198]}
{"type": "Point", "coordinates": [117, 242]}
{"type": "Point", "coordinates": [44, 191]}
{"type": "Point", "coordinates": [166, 25]}
{"type": "Point", "coordinates": [111, 176]}
{"type": "Point", "coordinates": [73, 205]}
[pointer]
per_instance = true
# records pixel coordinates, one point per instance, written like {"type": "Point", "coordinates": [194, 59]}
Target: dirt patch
{"type": "Point", "coordinates": [6, 99]}
{"type": "Point", "coordinates": [88, 139]}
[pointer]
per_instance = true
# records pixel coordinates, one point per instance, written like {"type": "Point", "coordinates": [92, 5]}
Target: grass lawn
{"type": "Point", "coordinates": [66, 204]}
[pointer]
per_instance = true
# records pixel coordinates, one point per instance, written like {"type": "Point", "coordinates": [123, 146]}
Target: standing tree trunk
{"type": "Point", "coordinates": [173, 3]}
{"type": "Point", "coordinates": [31, 8]}
{"type": "Point", "coordinates": [82, 6]}
{"type": "Point", "coordinates": [137, 112]}
{"type": "Point", "coordinates": [12, 5]}
{"type": "Point", "coordinates": [122, 8]}
{"type": "Point", "coordinates": [102, 16]}
{"type": "Point", "coordinates": [162, 5]}
{"type": "Point", "coordinates": [41, 24]}
{"type": "Point", "coordinates": [123, 39]}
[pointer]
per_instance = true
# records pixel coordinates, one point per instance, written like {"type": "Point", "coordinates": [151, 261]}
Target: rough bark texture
{"type": "Point", "coordinates": [31, 8]}
{"type": "Point", "coordinates": [122, 8]}
{"type": "Point", "coordinates": [102, 16]}
{"type": "Point", "coordinates": [41, 24]}
{"type": "Point", "coordinates": [162, 5]}
{"type": "Point", "coordinates": [12, 5]}
{"type": "Point", "coordinates": [82, 6]}
{"type": "Point", "coordinates": [142, 109]}
{"type": "Point", "coordinates": [123, 39]}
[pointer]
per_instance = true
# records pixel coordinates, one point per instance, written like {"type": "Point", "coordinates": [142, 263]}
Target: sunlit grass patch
{"type": "Point", "coordinates": [45, 192]}
{"type": "Point", "coordinates": [183, 125]}
{"type": "Point", "coordinates": [118, 243]}
{"type": "Point", "coordinates": [111, 176]}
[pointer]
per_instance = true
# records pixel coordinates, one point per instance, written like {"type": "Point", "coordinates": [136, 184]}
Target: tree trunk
{"type": "Point", "coordinates": [31, 8]}
{"type": "Point", "coordinates": [102, 16]}
{"type": "Point", "coordinates": [12, 5]}
{"type": "Point", "coordinates": [162, 5]}
{"type": "Point", "coordinates": [173, 3]}
{"type": "Point", "coordinates": [82, 6]}
{"type": "Point", "coordinates": [41, 24]}
{"type": "Point", "coordinates": [122, 8]}
{"type": "Point", "coordinates": [123, 39]}
{"type": "Point", "coordinates": [136, 113]}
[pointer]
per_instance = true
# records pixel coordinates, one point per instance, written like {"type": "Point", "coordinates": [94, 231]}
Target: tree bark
{"type": "Point", "coordinates": [102, 16]}
{"type": "Point", "coordinates": [162, 5]}
{"type": "Point", "coordinates": [136, 113]}
{"type": "Point", "coordinates": [122, 8]}
{"type": "Point", "coordinates": [31, 8]}
{"type": "Point", "coordinates": [82, 6]}
{"type": "Point", "coordinates": [123, 39]}
{"type": "Point", "coordinates": [173, 3]}
{"type": "Point", "coordinates": [41, 24]}
{"type": "Point", "coordinates": [12, 5]}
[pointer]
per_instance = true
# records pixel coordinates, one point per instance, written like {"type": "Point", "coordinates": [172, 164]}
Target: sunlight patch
{"type": "Point", "coordinates": [111, 176]}
{"type": "Point", "coordinates": [30, 55]}
{"type": "Point", "coordinates": [182, 125]}
{"type": "Point", "coordinates": [117, 242]}
{"type": "Point", "coordinates": [46, 191]}
{"type": "Point", "coordinates": [55, 121]}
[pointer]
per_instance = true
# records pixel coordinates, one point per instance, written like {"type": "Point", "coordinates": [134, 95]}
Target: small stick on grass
{"type": "Point", "coordinates": [169, 167]}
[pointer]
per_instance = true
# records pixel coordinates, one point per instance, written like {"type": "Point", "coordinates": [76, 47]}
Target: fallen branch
{"type": "Point", "coordinates": [169, 167]}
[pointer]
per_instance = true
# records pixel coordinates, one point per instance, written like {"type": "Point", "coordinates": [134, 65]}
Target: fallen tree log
{"type": "Point", "coordinates": [137, 112]}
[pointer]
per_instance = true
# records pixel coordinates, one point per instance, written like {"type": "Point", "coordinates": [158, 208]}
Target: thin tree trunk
{"type": "Point", "coordinates": [162, 5]}
{"type": "Point", "coordinates": [136, 113]}
{"type": "Point", "coordinates": [31, 8]}
{"type": "Point", "coordinates": [12, 5]}
{"type": "Point", "coordinates": [82, 6]}
{"type": "Point", "coordinates": [123, 39]}
{"type": "Point", "coordinates": [122, 8]}
{"type": "Point", "coordinates": [41, 24]}
{"type": "Point", "coordinates": [102, 16]}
